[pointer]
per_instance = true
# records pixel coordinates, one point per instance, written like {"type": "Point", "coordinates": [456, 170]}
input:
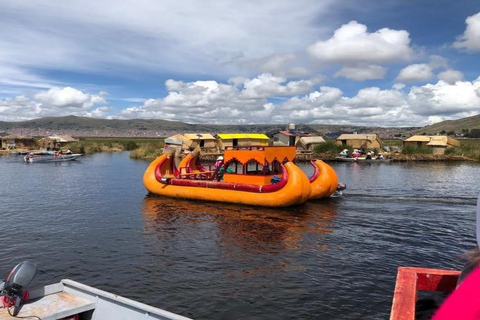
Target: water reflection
{"type": "Point", "coordinates": [239, 232]}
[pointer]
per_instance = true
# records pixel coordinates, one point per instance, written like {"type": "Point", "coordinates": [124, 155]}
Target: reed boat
{"type": "Point", "coordinates": [253, 175]}
{"type": "Point", "coordinates": [323, 182]}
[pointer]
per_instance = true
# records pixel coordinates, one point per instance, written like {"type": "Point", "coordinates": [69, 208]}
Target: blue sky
{"type": "Point", "coordinates": [376, 63]}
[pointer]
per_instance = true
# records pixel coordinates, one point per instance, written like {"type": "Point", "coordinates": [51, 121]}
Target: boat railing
{"type": "Point", "coordinates": [411, 280]}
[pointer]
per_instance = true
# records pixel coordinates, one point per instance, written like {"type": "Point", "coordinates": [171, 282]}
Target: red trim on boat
{"type": "Point", "coordinates": [316, 172]}
{"type": "Point", "coordinates": [221, 185]}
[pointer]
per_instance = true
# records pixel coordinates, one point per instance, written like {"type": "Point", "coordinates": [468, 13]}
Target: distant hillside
{"type": "Point", "coordinates": [452, 126]}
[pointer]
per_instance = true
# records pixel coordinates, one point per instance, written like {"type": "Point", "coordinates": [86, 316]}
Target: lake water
{"type": "Point", "coordinates": [90, 221]}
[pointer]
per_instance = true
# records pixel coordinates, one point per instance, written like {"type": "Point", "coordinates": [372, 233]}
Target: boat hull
{"type": "Point", "coordinates": [73, 300]}
{"type": "Point", "coordinates": [158, 181]}
{"type": "Point", "coordinates": [50, 158]}
{"type": "Point", "coordinates": [324, 181]}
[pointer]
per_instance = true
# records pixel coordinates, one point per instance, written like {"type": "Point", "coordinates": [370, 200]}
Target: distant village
{"type": "Point", "coordinates": [290, 136]}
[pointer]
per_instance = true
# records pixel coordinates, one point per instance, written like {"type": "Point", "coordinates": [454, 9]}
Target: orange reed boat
{"type": "Point", "coordinates": [254, 175]}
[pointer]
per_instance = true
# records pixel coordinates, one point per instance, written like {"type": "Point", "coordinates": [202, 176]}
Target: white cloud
{"type": "Point", "coordinates": [176, 36]}
{"type": "Point", "coordinates": [362, 72]}
{"type": "Point", "coordinates": [470, 40]}
{"type": "Point", "coordinates": [450, 76]}
{"type": "Point", "coordinates": [54, 102]}
{"type": "Point", "coordinates": [415, 72]}
{"type": "Point", "coordinates": [446, 100]}
{"type": "Point", "coordinates": [352, 43]}
{"type": "Point", "coordinates": [250, 101]}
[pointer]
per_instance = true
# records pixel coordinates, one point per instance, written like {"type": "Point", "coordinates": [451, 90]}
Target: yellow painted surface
{"type": "Point", "coordinates": [326, 182]}
{"type": "Point", "coordinates": [259, 136]}
{"type": "Point", "coordinates": [296, 191]}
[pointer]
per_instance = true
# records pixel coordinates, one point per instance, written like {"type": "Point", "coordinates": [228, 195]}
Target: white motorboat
{"type": "Point", "coordinates": [30, 158]}
{"type": "Point", "coordinates": [69, 300]}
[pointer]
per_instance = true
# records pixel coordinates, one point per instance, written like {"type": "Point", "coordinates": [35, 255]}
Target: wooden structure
{"type": "Point", "coordinates": [438, 143]}
{"type": "Point", "coordinates": [16, 141]}
{"type": "Point", "coordinates": [411, 280]}
{"type": "Point", "coordinates": [225, 140]}
{"type": "Point", "coordinates": [359, 141]}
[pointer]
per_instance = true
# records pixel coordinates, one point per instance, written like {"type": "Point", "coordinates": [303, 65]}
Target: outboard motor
{"type": "Point", "coordinates": [11, 291]}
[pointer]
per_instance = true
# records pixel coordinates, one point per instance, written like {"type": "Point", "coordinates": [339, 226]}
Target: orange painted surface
{"type": "Point", "coordinates": [326, 183]}
{"type": "Point", "coordinates": [260, 154]}
{"type": "Point", "coordinates": [296, 191]}
{"type": "Point", "coordinates": [411, 280]}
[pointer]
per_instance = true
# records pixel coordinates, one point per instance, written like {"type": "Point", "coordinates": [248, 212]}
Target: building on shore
{"type": "Point", "coordinates": [205, 141]}
{"type": "Point", "coordinates": [438, 143]}
{"type": "Point", "coordinates": [55, 142]}
{"type": "Point", "coordinates": [16, 141]}
{"type": "Point", "coordinates": [359, 141]}
{"type": "Point", "coordinates": [307, 144]}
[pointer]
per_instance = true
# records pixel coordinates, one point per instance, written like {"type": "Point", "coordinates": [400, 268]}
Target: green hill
{"type": "Point", "coordinates": [457, 126]}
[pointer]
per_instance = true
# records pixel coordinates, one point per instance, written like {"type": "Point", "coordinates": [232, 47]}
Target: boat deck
{"type": "Point", "coordinates": [69, 298]}
{"type": "Point", "coordinates": [53, 306]}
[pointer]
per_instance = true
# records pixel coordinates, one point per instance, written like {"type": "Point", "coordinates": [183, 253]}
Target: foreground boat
{"type": "Point", "coordinates": [410, 281]}
{"type": "Point", "coordinates": [30, 158]}
{"type": "Point", "coordinates": [67, 300]}
{"type": "Point", "coordinates": [73, 300]}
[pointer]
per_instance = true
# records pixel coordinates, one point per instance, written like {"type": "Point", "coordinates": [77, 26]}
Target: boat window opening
{"type": "Point", "coordinates": [235, 142]}
{"type": "Point", "coordinates": [276, 167]}
{"type": "Point", "coordinates": [202, 143]}
{"type": "Point", "coordinates": [234, 167]}
{"type": "Point", "coordinates": [254, 168]}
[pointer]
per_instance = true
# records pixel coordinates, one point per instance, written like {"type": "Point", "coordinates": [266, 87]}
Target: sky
{"type": "Point", "coordinates": [389, 63]}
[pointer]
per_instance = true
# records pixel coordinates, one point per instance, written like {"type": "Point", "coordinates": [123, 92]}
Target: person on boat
{"type": "Point", "coordinates": [345, 153]}
{"type": "Point", "coordinates": [69, 151]}
{"type": "Point", "coordinates": [219, 168]}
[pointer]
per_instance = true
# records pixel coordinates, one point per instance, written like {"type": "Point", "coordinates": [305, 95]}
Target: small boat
{"type": "Point", "coordinates": [30, 158]}
{"type": "Point", "coordinates": [345, 159]}
{"type": "Point", "coordinates": [69, 300]}
{"type": "Point", "coordinates": [253, 175]}
{"type": "Point", "coordinates": [412, 280]}
{"type": "Point", "coordinates": [373, 160]}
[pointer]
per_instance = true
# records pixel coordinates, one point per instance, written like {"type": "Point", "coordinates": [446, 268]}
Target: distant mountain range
{"type": "Point", "coordinates": [88, 127]}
